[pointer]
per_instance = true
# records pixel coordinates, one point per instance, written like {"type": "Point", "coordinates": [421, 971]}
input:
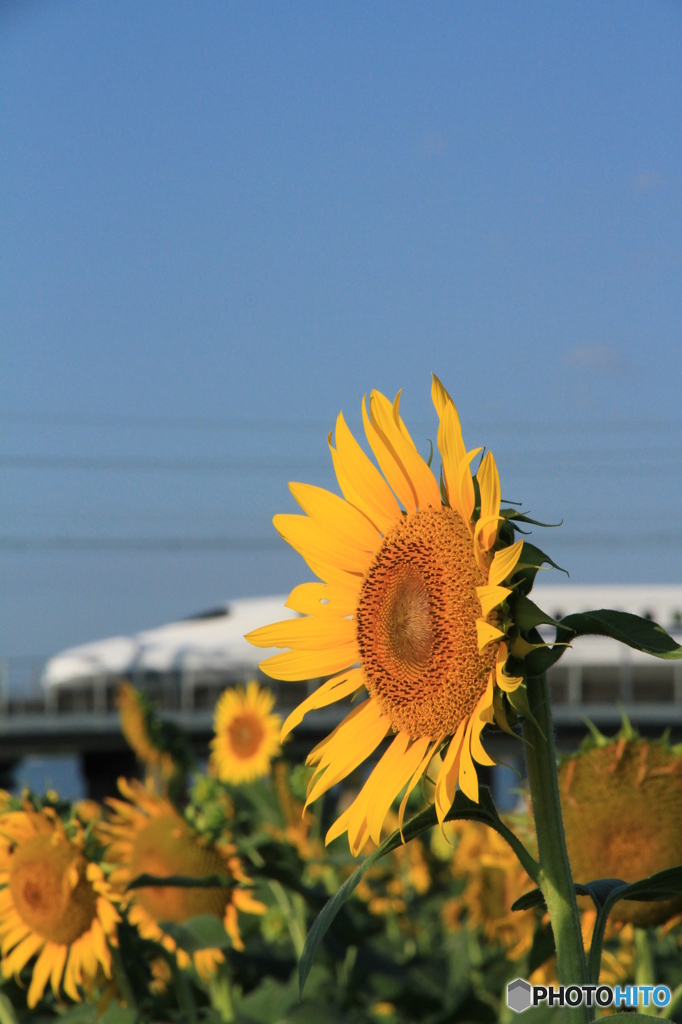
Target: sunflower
{"type": "Point", "coordinates": [146, 835]}
{"type": "Point", "coordinates": [53, 903]}
{"type": "Point", "coordinates": [494, 881]}
{"type": "Point", "coordinates": [134, 715]}
{"type": "Point", "coordinates": [411, 612]}
{"type": "Point", "coordinates": [246, 734]}
{"type": "Point", "coordinates": [621, 801]}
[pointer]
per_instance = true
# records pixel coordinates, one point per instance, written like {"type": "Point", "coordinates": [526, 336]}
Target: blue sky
{"type": "Point", "coordinates": [223, 222]}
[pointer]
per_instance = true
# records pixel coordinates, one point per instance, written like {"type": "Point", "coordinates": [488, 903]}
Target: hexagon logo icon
{"type": "Point", "coordinates": [518, 995]}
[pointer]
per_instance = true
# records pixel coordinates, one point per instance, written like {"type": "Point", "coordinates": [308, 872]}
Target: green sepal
{"type": "Point", "coordinates": [641, 634]}
{"type": "Point", "coordinates": [527, 615]}
{"type": "Point", "coordinates": [521, 517]}
{"type": "Point", "coordinates": [500, 713]}
{"type": "Point", "coordinates": [538, 661]}
{"type": "Point", "coordinates": [528, 566]}
{"type": "Point", "coordinates": [518, 699]}
{"type": "Point", "coordinates": [463, 809]}
{"type": "Point", "coordinates": [443, 491]}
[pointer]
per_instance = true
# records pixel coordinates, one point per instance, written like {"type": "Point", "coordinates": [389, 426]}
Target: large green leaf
{"type": "Point", "coordinates": [642, 634]}
{"type": "Point", "coordinates": [203, 932]}
{"type": "Point", "coordinates": [462, 809]}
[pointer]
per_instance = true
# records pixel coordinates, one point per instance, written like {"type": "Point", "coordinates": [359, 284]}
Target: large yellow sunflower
{"type": "Point", "coordinates": [146, 835]}
{"type": "Point", "coordinates": [246, 734]}
{"type": "Point", "coordinates": [411, 612]}
{"type": "Point", "coordinates": [133, 713]}
{"type": "Point", "coordinates": [53, 903]}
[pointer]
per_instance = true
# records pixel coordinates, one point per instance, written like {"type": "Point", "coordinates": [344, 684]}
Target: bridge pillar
{"type": "Point", "coordinates": [102, 769]}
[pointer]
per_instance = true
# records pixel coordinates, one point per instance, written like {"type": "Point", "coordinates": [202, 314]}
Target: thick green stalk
{"type": "Point", "coordinates": [555, 879]}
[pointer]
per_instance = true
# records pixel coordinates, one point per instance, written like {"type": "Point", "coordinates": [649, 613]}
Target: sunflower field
{"type": "Point", "coordinates": [376, 881]}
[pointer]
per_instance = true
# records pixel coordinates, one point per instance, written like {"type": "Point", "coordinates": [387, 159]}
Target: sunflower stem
{"type": "Point", "coordinates": [183, 993]}
{"type": "Point", "coordinates": [645, 973]}
{"type": "Point", "coordinates": [555, 881]}
{"type": "Point", "coordinates": [220, 991]}
{"type": "Point", "coordinates": [121, 978]}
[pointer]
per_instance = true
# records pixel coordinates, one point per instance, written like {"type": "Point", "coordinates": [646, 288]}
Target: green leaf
{"type": "Point", "coordinates": [462, 809]}
{"type": "Point", "coordinates": [7, 1014]}
{"type": "Point", "coordinates": [203, 932]}
{"type": "Point", "coordinates": [642, 634]}
{"type": "Point", "coordinates": [664, 885]}
{"type": "Point", "coordinates": [629, 1018]}
{"type": "Point", "coordinates": [117, 1014]}
{"type": "Point", "coordinates": [182, 882]}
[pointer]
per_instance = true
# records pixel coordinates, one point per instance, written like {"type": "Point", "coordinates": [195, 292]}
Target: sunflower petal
{"type": "Point", "coordinates": [41, 974]}
{"type": "Point", "coordinates": [506, 683]}
{"type": "Point", "coordinates": [390, 467]}
{"type": "Point", "coordinates": [453, 453]}
{"type": "Point", "coordinates": [388, 424]}
{"type": "Point", "coordinates": [504, 563]}
{"type": "Point", "coordinates": [481, 717]}
{"type": "Point", "coordinates": [446, 783]}
{"type": "Point", "coordinates": [399, 775]}
{"type": "Point", "coordinates": [418, 773]}
{"type": "Point", "coordinates": [322, 599]}
{"type": "Point", "coordinates": [339, 563]}
{"type": "Point", "coordinates": [489, 486]}
{"type": "Point", "coordinates": [360, 481]}
{"type": "Point", "coordinates": [307, 634]}
{"type": "Point", "coordinates": [491, 597]}
{"type": "Point", "coordinates": [468, 779]}
{"type": "Point", "coordinates": [337, 516]}
{"type": "Point", "coordinates": [439, 395]}
{"type": "Point", "coordinates": [292, 666]}
{"type": "Point", "coordinates": [487, 633]}
{"type": "Point", "coordinates": [342, 757]}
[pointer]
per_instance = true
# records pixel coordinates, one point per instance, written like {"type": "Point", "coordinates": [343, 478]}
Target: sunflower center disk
{"type": "Point", "coordinates": [246, 733]}
{"type": "Point", "coordinates": [416, 624]}
{"type": "Point", "coordinates": [50, 891]}
{"type": "Point", "coordinates": [167, 847]}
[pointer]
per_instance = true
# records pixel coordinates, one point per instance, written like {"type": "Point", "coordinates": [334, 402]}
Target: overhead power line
{"type": "Point", "coordinates": [300, 425]}
{"type": "Point", "coordinates": [586, 462]}
{"type": "Point", "coordinates": [600, 539]}
{"type": "Point", "coordinates": [166, 544]}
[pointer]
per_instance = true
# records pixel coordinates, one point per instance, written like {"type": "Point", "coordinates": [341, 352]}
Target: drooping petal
{"type": "Point", "coordinates": [348, 749]}
{"type": "Point", "coordinates": [360, 481]}
{"type": "Point", "coordinates": [432, 747]}
{"type": "Point", "coordinates": [41, 974]}
{"type": "Point", "coordinates": [446, 783]}
{"type": "Point", "coordinates": [468, 779]}
{"type": "Point", "coordinates": [505, 682]}
{"type": "Point", "coordinates": [334, 689]}
{"type": "Point", "coordinates": [384, 794]}
{"type": "Point", "coordinates": [482, 716]}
